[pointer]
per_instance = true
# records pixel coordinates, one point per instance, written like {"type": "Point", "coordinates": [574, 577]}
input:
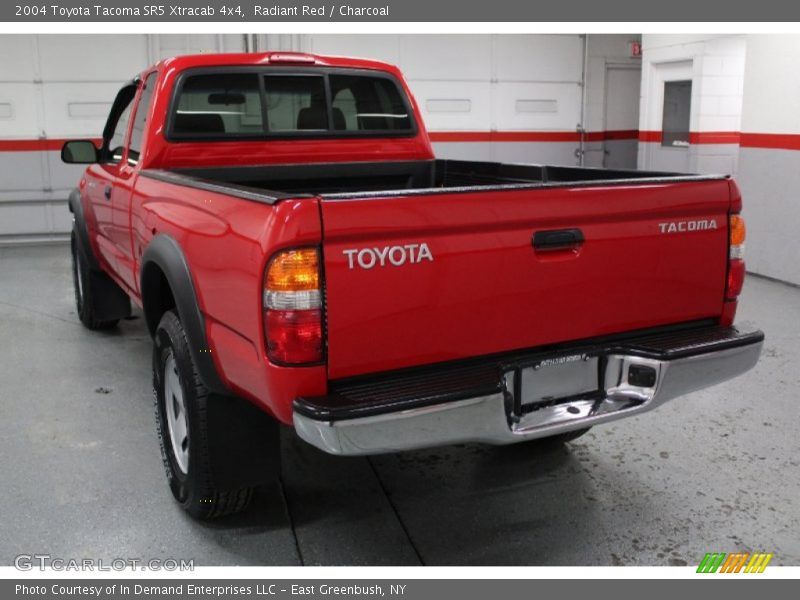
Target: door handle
{"type": "Point", "coordinates": [557, 239]}
{"type": "Point", "coordinates": [107, 192]}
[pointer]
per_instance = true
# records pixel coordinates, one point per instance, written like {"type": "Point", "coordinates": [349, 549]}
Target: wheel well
{"type": "Point", "coordinates": [157, 296]}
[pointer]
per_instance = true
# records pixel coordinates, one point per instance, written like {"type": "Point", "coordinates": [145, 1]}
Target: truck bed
{"type": "Point", "coordinates": [517, 256]}
{"type": "Point", "coordinates": [391, 178]}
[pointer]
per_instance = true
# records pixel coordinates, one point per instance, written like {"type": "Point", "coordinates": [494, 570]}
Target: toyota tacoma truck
{"type": "Point", "coordinates": [301, 257]}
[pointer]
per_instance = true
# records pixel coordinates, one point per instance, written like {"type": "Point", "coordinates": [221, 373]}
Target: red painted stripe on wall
{"type": "Point", "coordinates": [43, 145]}
{"type": "Point", "coordinates": [780, 141]}
{"type": "Point", "coordinates": [530, 136]}
{"type": "Point", "coordinates": [714, 137]}
{"type": "Point", "coordinates": [696, 137]}
{"type": "Point", "coordinates": [30, 145]}
{"type": "Point", "coordinates": [504, 136]}
{"type": "Point", "coordinates": [617, 134]}
{"type": "Point", "coordinates": [650, 136]}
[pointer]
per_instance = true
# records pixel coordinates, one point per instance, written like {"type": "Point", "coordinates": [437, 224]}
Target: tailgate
{"type": "Point", "coordinates": [419, 279]}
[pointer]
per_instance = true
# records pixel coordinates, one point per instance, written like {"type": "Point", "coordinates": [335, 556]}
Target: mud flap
{"type": "Point", "coordinates": [110, 301]}
{"type": "Point", "coordinates": [243, 442]}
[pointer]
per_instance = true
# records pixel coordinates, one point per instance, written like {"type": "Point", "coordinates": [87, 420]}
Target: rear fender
{"type": "Point", "coordinates": [243, 439]}
{"type": "Point", "coordinates": [165, 253]}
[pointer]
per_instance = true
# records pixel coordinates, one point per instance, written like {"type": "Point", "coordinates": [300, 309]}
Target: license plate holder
{"type": "Point", "coordinates": [554, 380]}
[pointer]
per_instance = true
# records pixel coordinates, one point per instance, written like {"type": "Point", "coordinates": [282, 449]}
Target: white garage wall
{"type": "Point", "coordinates": [769, 160]}
{"type": "Point", "coordinates": [56, 87]}
{"type": "Point", "coordinates": [470, 87]}
{"type": "Point", "coordinates": [715, 64]}
{"type": "Point", "coordinates": [614, 113]}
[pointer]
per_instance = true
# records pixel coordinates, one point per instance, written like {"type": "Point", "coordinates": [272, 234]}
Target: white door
{"type": "Point", "coordinates": [621, 143]}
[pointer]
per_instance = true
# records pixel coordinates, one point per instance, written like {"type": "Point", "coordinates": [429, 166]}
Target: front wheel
{"type": "Point", "coordinates": [90, 287]}
{"type": "Point", "coordinates": [181, 406]}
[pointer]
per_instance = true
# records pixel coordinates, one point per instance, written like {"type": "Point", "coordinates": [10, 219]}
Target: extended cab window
{"type": "Point", "coordinates": [115, 144]}
{"type": "Point", "coordinates": [137, 132]}
{"type": "Point", "coordinates": [273, 102]}
{"type": "Point", "coordinates": [219, 105]}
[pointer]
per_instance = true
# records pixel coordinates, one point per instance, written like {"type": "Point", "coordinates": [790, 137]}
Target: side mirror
{"type": "Point", "coordinates": [79, 152]}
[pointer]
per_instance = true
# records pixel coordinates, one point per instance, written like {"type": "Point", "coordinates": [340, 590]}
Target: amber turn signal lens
{"type": "Point", "coordinates": [738, 231]}
{"type": "Point", "coordinates": [294, 271]}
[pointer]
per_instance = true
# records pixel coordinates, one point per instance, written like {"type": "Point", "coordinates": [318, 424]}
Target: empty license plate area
{"type": "Point", "coordinates": [554, 381]}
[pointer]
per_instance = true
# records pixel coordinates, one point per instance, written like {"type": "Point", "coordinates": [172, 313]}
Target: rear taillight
{"type": "Point", "coordinates": [293, 307]}
{"type": "Point", "coordinates": [736, 236]}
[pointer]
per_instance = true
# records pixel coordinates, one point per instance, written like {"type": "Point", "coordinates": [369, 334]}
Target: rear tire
{"type": "Point", "coordinates": [89, 284]}
{"type": "Point", "coordinates": [181, 406]}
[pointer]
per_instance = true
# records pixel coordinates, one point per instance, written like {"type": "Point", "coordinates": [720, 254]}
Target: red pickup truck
{"type": "Point", "coordinates": [301, 257]}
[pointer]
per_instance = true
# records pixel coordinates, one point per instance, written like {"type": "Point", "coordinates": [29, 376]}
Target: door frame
{"type": "Point", "coordinates": [619, 65]}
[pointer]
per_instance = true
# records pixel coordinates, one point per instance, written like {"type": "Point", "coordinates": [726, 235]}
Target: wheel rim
{"type": "Point", "coordinates": [175, 407]}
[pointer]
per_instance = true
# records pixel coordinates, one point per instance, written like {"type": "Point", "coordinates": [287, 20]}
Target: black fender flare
{"type": "Point", "coordinates": [81, 229]}
{"type": "Point", "coordinates": [165, 253]}
{"type": "Point", "coordinates": [244, 441]}
{"type": "Point", "coordinates": [110, 301]}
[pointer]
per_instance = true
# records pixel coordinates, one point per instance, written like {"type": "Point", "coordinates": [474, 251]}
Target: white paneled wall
{"type": "Point", "coordinates": [769, 160]}
{"type": "Point", "coordinates": [55, 87]}
{"type": "Point", "coordinates": [715, 65]}
{"type": "Point", "coordinates": [479, 82]}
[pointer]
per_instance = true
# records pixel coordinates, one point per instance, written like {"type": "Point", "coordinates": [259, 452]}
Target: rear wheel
{"type": "Point", "coordinates": [181, 405]}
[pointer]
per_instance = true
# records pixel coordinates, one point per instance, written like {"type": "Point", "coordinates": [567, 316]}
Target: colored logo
{"type": "Point", "coordinates": [738, 562]}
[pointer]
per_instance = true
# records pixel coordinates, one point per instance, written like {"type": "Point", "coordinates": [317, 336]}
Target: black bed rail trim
{"type": "Point", "coordinates": [229, 189]}
{"type": "Point", "coordinates": [437, 384]}
{"type": "Point", "coordinates": [422, 169]}
{"type": "Point", "coordinates": [522, 186]}
{"type": "Point", "coordinates": [425, 178]}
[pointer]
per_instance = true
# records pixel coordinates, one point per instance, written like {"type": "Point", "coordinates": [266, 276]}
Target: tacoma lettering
{"type": "Point", "coordinates": [683, 226]}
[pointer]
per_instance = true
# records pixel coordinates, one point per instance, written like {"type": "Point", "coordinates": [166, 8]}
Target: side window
{"type": "Point", "coordinates": [140, 119]}
{"type": "Point", "coordinates": [115, 144]}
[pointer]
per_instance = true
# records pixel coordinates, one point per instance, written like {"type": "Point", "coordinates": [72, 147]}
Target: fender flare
{"type": "Point", "coordinates": [165, 253]}
{"type": "Point", "coordinates": [81, 229]}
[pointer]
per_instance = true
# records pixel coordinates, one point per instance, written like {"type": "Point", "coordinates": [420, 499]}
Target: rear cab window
{"type": "Point", "coordinates": [265, 103]}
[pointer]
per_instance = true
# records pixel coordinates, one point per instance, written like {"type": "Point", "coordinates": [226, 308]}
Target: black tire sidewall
{"type": "Point", "coordinates": [171, 338]}
{"type": "Point", "coordinates": [79, 270]}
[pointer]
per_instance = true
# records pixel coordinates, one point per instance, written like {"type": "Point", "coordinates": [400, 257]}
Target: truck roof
{"type": "Point", "coordinates": [293, 59]}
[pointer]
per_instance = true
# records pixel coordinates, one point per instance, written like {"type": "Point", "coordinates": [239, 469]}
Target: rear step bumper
{"type": "Point", "coordinates": [528, 397]}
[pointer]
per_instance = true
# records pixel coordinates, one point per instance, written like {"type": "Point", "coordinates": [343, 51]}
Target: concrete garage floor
{"type": "Point", "coordinates": [81, 475]}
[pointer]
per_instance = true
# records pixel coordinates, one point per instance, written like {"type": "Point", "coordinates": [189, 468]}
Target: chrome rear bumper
{"type": "Point", "coordinates": [494, 417]}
